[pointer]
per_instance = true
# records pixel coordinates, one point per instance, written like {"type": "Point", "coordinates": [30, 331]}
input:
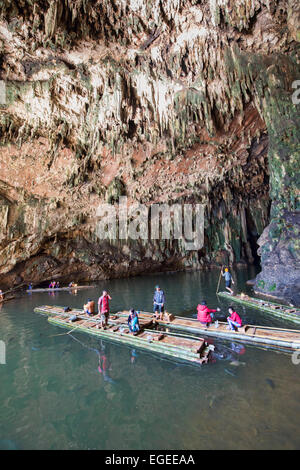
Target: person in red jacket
{"type": "Point", "coordinates": [234, 321]}
{"type": "Point", "coordinates": [203, 313]}
{"type": "Point", "coordinates": [103, 309]}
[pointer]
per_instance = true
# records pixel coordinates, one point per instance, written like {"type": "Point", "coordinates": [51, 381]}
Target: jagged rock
{"type": "Point", "coordinates": [175, 101]}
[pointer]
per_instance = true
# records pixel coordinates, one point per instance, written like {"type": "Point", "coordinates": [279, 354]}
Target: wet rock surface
{"type": "Point", "coordinates": [280, 254]}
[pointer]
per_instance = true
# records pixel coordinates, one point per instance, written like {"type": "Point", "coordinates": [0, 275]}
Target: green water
{"type": "Point", "coordinates": [54, 395]}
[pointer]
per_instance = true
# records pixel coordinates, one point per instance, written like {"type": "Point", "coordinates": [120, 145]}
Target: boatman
{"type": "Point", "coordinates": [228, 280]}
{"type": "Point", "coordinates": [103, 308]}
{"type": "Point", "coordinates": [234, 321]}
{"type": "Point", "coordinates": [159, 303]}
{"type": "Point", "coordinates": [1, 296]}
{"type": "Point", "coordinates": [203, 313]}
{"type": "Point", "coordinates": [89, 308]}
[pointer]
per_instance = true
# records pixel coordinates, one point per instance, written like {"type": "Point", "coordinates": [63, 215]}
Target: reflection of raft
{"type": "Point", "coordinates": [283, 311]}
{"type": "Point", "coordinates": [171, 345]}
{"type": "Point", "coordinates": [259, 335]}
{"type": "Point", "coordinates": [57, 289]}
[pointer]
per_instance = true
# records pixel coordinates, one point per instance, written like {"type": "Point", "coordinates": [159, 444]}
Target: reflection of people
{"type": "Point", "coordinates": [238, 348]}
{"type": "Point", "coordinates": [159, 303]}
{"type": "Point", "coordinates": [228, 280]}
{"type": "Point", "coordinates": [204, 312]}
{"type": "Point", "coordinates": [234, 321]}
{"type": "Point", "coordinates": [103, 308]}
{"type": "Point", "coordinates": [133, 321]}
{"type": "Point", "coordinates": [133, 356]}
{"type": "Point", "coordinates": [103, 365]}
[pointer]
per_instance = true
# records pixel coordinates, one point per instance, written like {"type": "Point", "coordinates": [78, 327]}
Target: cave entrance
{"type": "Point", "coordinates": [252, 237]}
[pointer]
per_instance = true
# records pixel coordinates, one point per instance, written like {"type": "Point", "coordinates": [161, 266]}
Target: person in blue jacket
{"type": "Point", "coordinates": [159, 303]}
{"type": "Point", "coordinates": [133, 321]}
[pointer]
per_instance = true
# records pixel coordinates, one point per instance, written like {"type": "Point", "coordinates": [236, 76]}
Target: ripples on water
{"type": "Point", "coordinates": [77, 392]}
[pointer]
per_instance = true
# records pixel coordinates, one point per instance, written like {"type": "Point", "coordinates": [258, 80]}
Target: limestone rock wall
{"type": "Point", "coordinates": [173, 101]}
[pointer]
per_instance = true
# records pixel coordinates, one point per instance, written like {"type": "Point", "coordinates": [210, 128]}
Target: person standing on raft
{"type": "Point", "coordinates": [228, 280]}
{"type": "Point", "coordinates": [159, 303]}
{"type": "Point", "coordinates": [203, 313]}
{"type": "Point", "coordinates": [234, 321]}
{"type": "Point", "coordinates": [1, 296]}
{"type": "Point", "coordinates": [103, 308]}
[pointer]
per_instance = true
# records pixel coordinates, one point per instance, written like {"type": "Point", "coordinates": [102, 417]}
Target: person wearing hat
{"type": "Point", "coordinates": [203, 313]}
{"type": "Point", "coordinates": [89, 308]}
{"type": "Point", "coordinates": [159, 303]}
{"type": "Point", "coordinates": [228, 280]}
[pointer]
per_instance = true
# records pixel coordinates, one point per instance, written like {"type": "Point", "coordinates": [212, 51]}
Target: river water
{"type": "Point", "coordinates": [73, 391]}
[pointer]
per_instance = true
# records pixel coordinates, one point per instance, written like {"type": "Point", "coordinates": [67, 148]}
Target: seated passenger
{"type": "Point", "coordinates": [133, 321]}
{"type": "Point", "coordinates": [89, 307]}
{"type": "Point", "coordinates": [234, 321]}
{"type": "Point", "coordinates": [203, 313]}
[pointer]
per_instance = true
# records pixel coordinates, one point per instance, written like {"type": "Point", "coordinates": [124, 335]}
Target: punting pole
{"type": "Point", "coordinates": [219, 280]}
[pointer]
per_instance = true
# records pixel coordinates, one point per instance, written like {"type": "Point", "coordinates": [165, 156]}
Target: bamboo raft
{"type": "Point", "coordinates": [174, 346]}
{"type": "Point", "coordinates": [257, 335]}
{"type": "Point", "coordinates": [282, 311]}
{"type": "Point", "coordinates": [58, 289]}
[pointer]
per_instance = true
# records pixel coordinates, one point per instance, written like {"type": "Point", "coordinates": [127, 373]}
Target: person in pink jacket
{"type": "Point", "coordinates": [234, 321]}
{"type": "Point", "coordinates": [103, 309]}
{"type": "Point", "coordinates": [203, 313]}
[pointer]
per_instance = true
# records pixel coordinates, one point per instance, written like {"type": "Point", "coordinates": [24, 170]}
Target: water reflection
{"type": "Point", "coordinates": [58, 392]}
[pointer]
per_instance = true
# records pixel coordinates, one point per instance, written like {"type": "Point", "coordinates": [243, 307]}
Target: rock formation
{"type": "Point", "coordinates": [175, 101]}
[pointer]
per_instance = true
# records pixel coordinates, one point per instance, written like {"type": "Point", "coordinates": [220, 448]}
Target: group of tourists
{"type": "Point", "coordinates": [204, 314]}
{"type": "Point", "coordinates": [54, 285]}
{"type": "Point", "coordinates": [72, 284]}
{"type": "Point", "coordinates": [103, 309]}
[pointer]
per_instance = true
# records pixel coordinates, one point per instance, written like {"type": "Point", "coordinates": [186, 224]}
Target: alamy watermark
{"type": "Point", "coordinates": [296, 94]}
{"type": "Point", "coordinates": [2, 93]}
{"type": "Point", "coordinates": [184, 222]}
{"type": "Point", "coordinates": [2, 352]}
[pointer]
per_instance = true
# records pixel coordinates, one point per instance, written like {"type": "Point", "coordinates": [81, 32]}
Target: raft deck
{"type": "Point", "coordinates": [279, 310]}
{"type": "Point", "coordinates": [256, 335]}
{"type": "Point", "coordinates": [171, 345]}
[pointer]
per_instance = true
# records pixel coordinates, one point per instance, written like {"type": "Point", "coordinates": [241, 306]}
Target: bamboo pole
{"type": "Point", "coordinates": [62, 334]}
{"type": "Point", "coordinates": [219, 280]}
